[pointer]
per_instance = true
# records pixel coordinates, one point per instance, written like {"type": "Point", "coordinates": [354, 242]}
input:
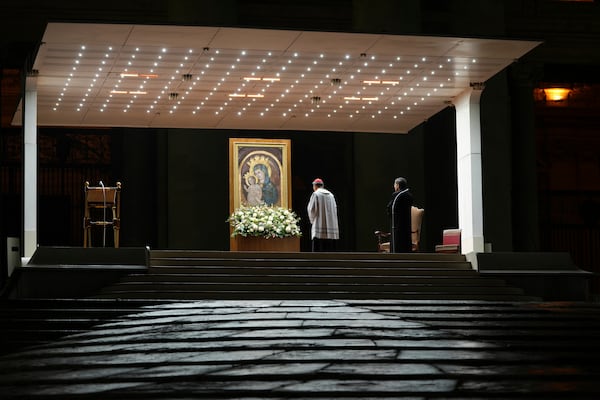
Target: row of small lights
{"type": "Point", "coordinates": [100, 70]}
{"type": "Point", "coordinates": [358, 96]}
{"type": "Point", "coordinates": [348, 98]}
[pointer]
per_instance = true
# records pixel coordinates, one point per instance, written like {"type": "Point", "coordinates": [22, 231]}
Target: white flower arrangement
{"type": "Point", "coordinates": [264, 221]}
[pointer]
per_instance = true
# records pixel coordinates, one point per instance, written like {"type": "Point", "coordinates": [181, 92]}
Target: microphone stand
{"type": "Point", "coordinates": [393, 235]}
{"type": "Point", "coordinates": [103, 215]}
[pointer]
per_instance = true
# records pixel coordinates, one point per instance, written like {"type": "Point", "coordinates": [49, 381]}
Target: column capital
{"type": "Point", "coordinates": [31, 80]}
{"type": "Point", "coordinates": [477, 85]}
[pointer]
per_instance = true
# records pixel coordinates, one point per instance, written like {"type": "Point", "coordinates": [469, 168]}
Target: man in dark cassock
{"type": "Point", "coordinates": [399, 209]}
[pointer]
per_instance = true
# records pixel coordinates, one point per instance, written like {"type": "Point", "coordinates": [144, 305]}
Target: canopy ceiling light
{"type": "Point", "coordinates": [82, 65]}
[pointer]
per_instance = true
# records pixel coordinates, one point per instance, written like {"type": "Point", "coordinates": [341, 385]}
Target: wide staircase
{"type": "Point", "coordinates": [310, 326]}
{"type": "Point", "coordinates": [192, 275]}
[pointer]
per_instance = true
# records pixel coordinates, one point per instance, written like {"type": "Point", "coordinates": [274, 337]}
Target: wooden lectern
{"type": "Point", "coordinates": [103, 209]}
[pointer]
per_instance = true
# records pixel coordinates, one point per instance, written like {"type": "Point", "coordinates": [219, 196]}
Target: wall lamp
{"type": "Point", "coordinates": [557, 94]}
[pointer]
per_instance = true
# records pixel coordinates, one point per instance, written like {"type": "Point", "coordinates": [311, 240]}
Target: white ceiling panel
{"type": "Point", "coordinates": [234, 78]}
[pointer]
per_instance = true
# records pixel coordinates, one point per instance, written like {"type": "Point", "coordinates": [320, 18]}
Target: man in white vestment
{"type": "Point", "coordinates": [322, 214]}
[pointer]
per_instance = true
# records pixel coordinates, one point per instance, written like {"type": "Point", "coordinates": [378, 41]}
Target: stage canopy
{"type": "Point", "coordinates": [96, 75]}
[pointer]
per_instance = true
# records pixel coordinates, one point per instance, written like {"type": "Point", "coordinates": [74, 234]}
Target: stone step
{"type": "Point", "coordinates": [308, 270]}
{"type": "Point", "coordinates": [157, 254]}
{"type": "Point", "coordinates": [333, 287]}
{"type": "Point", "coordinates": [237, 275]}
{"type": "Point", "coordinates": [273, 277]}
{"type": "Point", "coordinates": [180, 294]}
{"type": "Point", "coordinates": [310, 263]}
{"type": "Point", "coordinates": [316, 349]}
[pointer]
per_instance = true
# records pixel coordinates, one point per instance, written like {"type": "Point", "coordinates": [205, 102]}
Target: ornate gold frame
{"type": "Point", "coordinates": [245, 155]}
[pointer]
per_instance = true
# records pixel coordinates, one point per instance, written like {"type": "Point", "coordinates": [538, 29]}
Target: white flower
{"type": "Point", "coordinates": [265, 221]}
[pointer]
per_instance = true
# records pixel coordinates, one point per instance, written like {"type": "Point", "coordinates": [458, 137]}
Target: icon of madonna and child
{"type": "Point", "coordinates": [261, 181]}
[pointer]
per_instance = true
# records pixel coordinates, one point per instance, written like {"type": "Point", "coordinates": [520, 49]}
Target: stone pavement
{"type": "Point", "coordinates": [326, 349]}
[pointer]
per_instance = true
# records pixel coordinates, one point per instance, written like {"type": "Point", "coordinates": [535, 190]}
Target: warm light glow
{"type": "Point", "coordinates": [378, 82]}
{"type": "Point", "coordinates": [136, 75]}
{"type": "Point", "coordinates": [246, 95]}
{"type": "Point", "coordinates": [127, 92]}
{"type": "Point", "coordinates": [557, 94]}
{"type": "Point", "coordinates": [362, 98]}
{"type": "Point", "coordinates": [255, 78]}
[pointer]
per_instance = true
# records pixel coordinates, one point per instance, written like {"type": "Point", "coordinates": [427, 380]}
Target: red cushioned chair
{"type": "Point", "coordinates": [450, 241]}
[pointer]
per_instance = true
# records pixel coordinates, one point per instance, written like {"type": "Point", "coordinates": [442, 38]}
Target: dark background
{"type": "Point", "coordinates": [541, 161]}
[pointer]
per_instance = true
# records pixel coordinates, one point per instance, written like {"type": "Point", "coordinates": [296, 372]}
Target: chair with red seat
{"type": "Point", "coordinates": [450, 241]}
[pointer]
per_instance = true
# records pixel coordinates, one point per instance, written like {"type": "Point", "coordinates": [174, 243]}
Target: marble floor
{"type": "Point", "coordinates": [325, 349]}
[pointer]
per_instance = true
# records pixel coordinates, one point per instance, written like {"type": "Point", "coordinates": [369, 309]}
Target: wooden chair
{"type": "Point", "coordinates": [416, 220]}
{"type": "Point", "coordinates": [383, 241]}
{"type": "Point", "coordinates": [450, 241]}
{"type": "Point", "coordinates": [99, 200]}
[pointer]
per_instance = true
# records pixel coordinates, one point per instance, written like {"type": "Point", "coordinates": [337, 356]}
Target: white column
{"type": "Point", "coordinates": [468, 158]}
{"type": "Point", "coordinates": [30, 203]}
